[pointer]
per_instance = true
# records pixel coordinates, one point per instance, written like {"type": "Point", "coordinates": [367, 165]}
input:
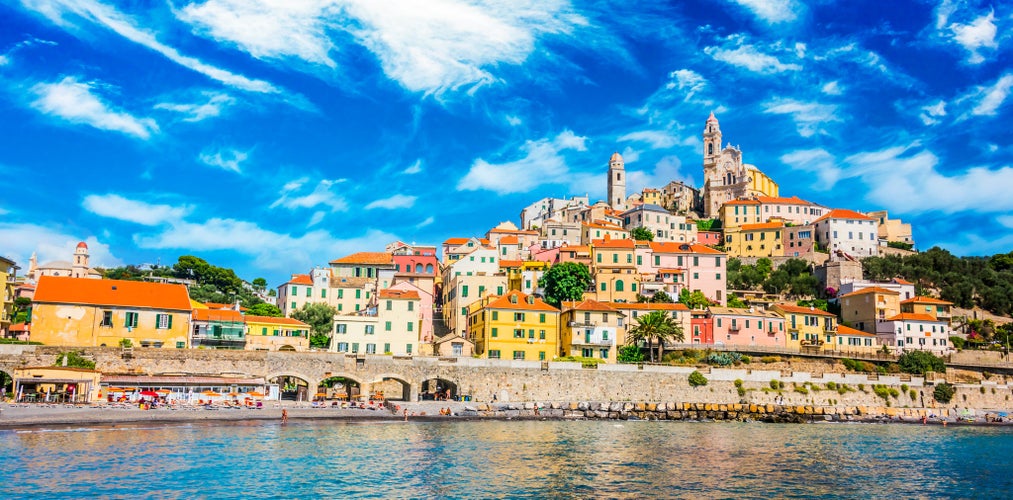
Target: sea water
{"type": "Point", "coordinates": [507, 459]}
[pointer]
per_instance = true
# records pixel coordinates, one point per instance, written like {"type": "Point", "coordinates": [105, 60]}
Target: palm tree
{"type": "Point", "coordinates": [656, 325]}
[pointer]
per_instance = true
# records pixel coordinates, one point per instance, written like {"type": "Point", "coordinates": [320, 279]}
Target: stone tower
{"type": "Point", "coordinates": [711, 142]}
{"type": "Point", "coordinates": [80, 266]}
{"type": "Point", "coordinates": [617, 182]}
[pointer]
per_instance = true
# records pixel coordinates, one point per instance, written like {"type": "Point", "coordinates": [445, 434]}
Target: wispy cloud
{"type": "Point", "coordinates": [771, 11]}
{"type": "Point", "coordinates": [117, 207]}
{"type": "Point", "coordinates": [737, 52]}
{"type": "Point", "coordinates": [230, 159]}
{"type": "Point", "coordinates": [429, 220]}
{"type": "Point", "coordinates": [543, 163]}
{"type": "Point", "coordinates": [294, 196]}
{"type": "Point", "coordinates": [818, 162]}
{"type": "Point", "coordinates": [809, 117]}
{"type": "Point", "coordinates": [832, 88]}
{"type": "Point", "coordinates": [414, 168]}
{"type": "Point", "coordinates": [91, 11]}
{"type": "Point", "coordinates": [990, 98]}
{"type": "Point", "coordinates": [658, 139]}
{"type": "Point", "coordinates": [212, 106]}
{"type": "Point", "coordinates": [688, 81]}
{"type": "Point", "coordinates": [933, 113]}
{"type": "Point", "coordinates": [75, 102]}
{"type": "Point", "coordinates": [50, 243]}
{"type": "Point", "coordinates": [392, 202]}
{"type": "Point", "coordinates": [975, 36]}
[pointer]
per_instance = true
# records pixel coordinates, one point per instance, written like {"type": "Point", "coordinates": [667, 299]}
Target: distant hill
{"type": "Point", "coordinates": [210, 283]}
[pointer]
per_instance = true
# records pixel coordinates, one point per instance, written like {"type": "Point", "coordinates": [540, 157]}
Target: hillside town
{"type": "Point", "coordinates": [484, 295]}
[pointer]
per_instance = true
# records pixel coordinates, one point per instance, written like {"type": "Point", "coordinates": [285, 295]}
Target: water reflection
{"type": "Point", "coordinates": [507, 459]}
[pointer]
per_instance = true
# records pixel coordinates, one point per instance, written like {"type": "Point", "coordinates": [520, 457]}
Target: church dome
{"type": "Point", "coordinates": [616, 157]}
{"type": "Point", "coordinates": [82, 245]}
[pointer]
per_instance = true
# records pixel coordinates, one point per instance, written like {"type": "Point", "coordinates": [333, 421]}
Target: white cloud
{"type": "Point", "coordinates": [4, 60]}
{"type": "Point", "coordinates": [818, 162]}
{"type": "Point", "coordinates": [1005, 220]}
{"type": "Point", "coordinates": [513, 120]}
{"type": "Point", "coordinates": [117, 207]}
{"type": "Point", "coordinates": [396, 201]}
{"type": "Point", "coordinates": [230, 159]}
{"type": "Point", "coordinates": [268, 29]}
{"type": "Point", "coordinates": [990, 98]}
{"type": "Point", "coordinates": [687, 80]}
{"type": "Point", "coordinates": [414, 168]}
{"type": "Point", "coordinates": [667, 169]}
{"type": "Point", "coordinates": [976, 35]}
{"type": "Point", "coordinates": [317, 218]}
{"type": "Point", "coordinates": [905, 178]}
{"type": "Point", "coordinates": [125, 26]}
{"type": "Point", "coordinates": [630, 155]}
{"type": "Point", "coordinates": [4, 211]}
{"type": "Point", "coordinates": [74, 101]}
{"type": "Point", "coordinates": [832, 88]}
{"type": "Point", "coordinates": [195, 112]}
{"type": "Point", "coordinates": [932, 114]}
{"type": "Point", "coordinates": [293, 196]}
{"type": "Point", "coordinates": [749, 57]}
{"type": "Point", "coordinates": [543, 163]}
{"type": "Point", "coordinates": [808, 116]}
{"type": "Point", "coordinates": [429, 220]}
{"type": "Point", "coordinates": [21, 240]}
{"type": "Point", "coordinates": [658, 139]}
{"type": "Point", "coordinates": [442, 45]}
{"type": "Point", "coordinates": [771, 11]}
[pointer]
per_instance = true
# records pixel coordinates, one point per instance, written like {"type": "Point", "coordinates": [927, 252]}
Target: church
{"type": "Point", "coordinates": [726, 178]}
{"type": "Point", "coordinates": [77, 269]}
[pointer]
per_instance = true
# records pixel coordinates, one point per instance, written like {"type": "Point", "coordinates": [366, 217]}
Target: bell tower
{"type": "Point", "coordinates": [711, 141]}
{"type": "Point", "coordinates": [617, 182]}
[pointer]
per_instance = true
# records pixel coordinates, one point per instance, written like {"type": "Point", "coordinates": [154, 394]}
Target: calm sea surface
{"type": "Point", "coordinates": [531, 459]}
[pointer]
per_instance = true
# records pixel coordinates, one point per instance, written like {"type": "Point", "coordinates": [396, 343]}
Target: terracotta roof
{"type": "Point", "coordinates": [762, 225]}
{"type": "Point", "coordinates": [300, 279]}
{"type": "Point", "coordinates": [871, 289]}
{"type": "Point", "coordinates": [455, 241]}
{"type": "Point", "coordinates": [901, 281]}
{"type": "Point", "coordinates": [741, 202]}
{"type": "Point", "coordinates": [19, 327]}
{"type": "Point", "coordinates": [588, 305]}
{"type": "Point", "coordinates": [649, 306]}
{"type": "Point", "coordinates": [510, 263]}
{"type": "Point", "coordinates": [274, 320]}
{"type": "Point", "coordinates": [512, 231]}
{"type": "Point", "coordinates": [736, 311]}
{"type": "Point", "coordinates": [840, 213]}
{"type": "Point", "coordinates": [370, 258]}
{"type": "Point", "coordinates": [509, 240]}
{"type": "Point", "coordinates": [794, 200]}
{"type": "Point", "coordinates": [847, 330]}
{"type": "Point", "coordinates": [670, 271]}
{"type": "Point", "coordinates": [218, 305]}
{"type": "Point", "coordinates": [63, 290]}
{"type": "Point", "coordinates": [913, 317]}
{"type": "Point", "coordinates": [503, 302]}
{"type": "Point", "coordinates": [926, 300]}
{"type": "Point", "coordinates": [574, 248]}
{"type": "Point", "coordinates": [791, 308]}
{"type": "Point", "coordinates": [674, 247]}
{"type": "Point", "coordinates": [616, 243]}
{"type": "Point", "coordinates": [602, 225]}
{"type": "Point", "coordinates": [399, 294]}
{"type": "Point", "coordinates": [217, 315]}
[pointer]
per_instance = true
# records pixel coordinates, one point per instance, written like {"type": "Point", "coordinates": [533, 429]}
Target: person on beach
{"type": "Point", "coordinates": [406, 414]}
{"type": "Point", "coordinates": [284, 416]}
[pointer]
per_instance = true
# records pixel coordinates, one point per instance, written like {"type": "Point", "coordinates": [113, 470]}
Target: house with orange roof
{"type": "Point", "coordinates": [664, 225]}
{"type": "Point", "coordinates": [752, 327]}
{"type": "Point", "coordinates": [455, 248]}
{"type": "Point", "coordinates": [524, 275]}
{"type": "Point", "coordinates": [735, 213]}
{"type": "Point", "coordinates": [7, 273]}
{"type": "Point", "coordinates": [792, 210]}
{"type": "Point", "coordinates": [702, 269]}
{"type": "Point", "coordinates": [755, 240]}
{"type": "Point", "coordinates": [906, 332]}
{"type": "Point", "coordinates": [590, 329]}
{"type": "Point", "coordinates": [514, 326]}
{"type": "Point", "coordinates": [798, 241]}
{"type": "Point", "coordinates": [938, 309]}
{"type": "Point", "coordinates": [506, 229]}
{"type": "Point", "coordinates": [852, 341]}
{"type": "Point", "coordinates": [599, 229]}
{"type": "Point", "coordinates": [633, 310]}
{"type": "Point", "coordinates": [302, 289]}
{"type": "Point", "coordinates": [808, 328]}
{"type": "Point", "coordinates": [391, 326]}
{"type": "Point", "coordinates": [560, 233]}
{"type": "Point", "coordinates": [905, 289]}
{"type": "Point", "coordinates": [580, 254]}
{"type": "Point", "coordinates": [217, 329]}
{"type": "Point", "coordinates": [614, 271]}
{"type": "Point", "coordinates": [268, 333]}
{"type": "Point", "coordinates": [87, 312]}
{"type": "Point", "coordinates": [847, 235]}
{"type": "Point", "coordinates": [460, 291]}
{"type": "Point", "coordinates": [864, 308]}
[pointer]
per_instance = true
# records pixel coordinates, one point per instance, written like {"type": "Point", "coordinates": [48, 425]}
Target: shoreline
{"type": "Point", "coordinates": [35, 417]}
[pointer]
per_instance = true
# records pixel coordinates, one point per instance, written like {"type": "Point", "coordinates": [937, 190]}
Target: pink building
{"type": "Point", "coordinates": [550, 255]}
{"type": "Point", "coordinates": [747, 327]}
{"type": "Point", "coordinates": [703, 267]}
{"type": "Point", "coordinates": [701, 328]}
{"type": "Point", "coordinates": [425, 314]}
{"type": "Point", "coordinates": [708, 237]}
{"type": "Point", "coordinates": [797, 241]}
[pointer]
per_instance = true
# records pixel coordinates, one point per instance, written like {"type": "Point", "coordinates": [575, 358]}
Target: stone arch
{"type": "Point", "coordinates": [393, 386]}
{"type": "Point", "coordinates": [298, 385]}
{"type": "Point", "coordinates": [436, 386]}
{"type": "Point", "coordinates": [287, 348]}
{"type": "Point", "coordinates": [6, 380]}
{"type": "Point", "coordinates": [342, 386]}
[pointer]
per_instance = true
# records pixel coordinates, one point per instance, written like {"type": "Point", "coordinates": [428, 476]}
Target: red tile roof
{"type": "Point", "coordinates": [794, 200]}
{"type": "Point", "coordinates": [791, 308]}
{"type": "Point", "coordinates": [649, 306]}
{"type": "Point", "coordinates": [616, 243]}
{"type": "Point", "coordinates": [926, 300]}
{"type": "Point", "coordinates": [217, 315]}
{"type": "Point", "coordinates": [912, 317]}
{"type": "Point", "coordinates": [504, 302]}
{"type": "Point", "coordinates": [63, 290]}
{"type": "Point", "coordinates": [399, 294]}
{"type": "Point", "coordinates": [761, 226]}
{"type": "Point", "coordinates": [847, 330]}
{"type": "Point", "coordinates": [369, 258]}
{"type": "Point", "coordinates": [300, 279]}
{"type": "Point", "coordinates": [455, 241]}
{"type": "Point", "coordinates": [510, 263]}
{"type": "Point", "coordinates": [672, 247]}
{"type": "Point", "coordinates": [871, 289]}
{"type": "Point", "coordinates": [509, 240]}
{"type": "Point", "coordinates": [741, 202]}
{"type": "Point", "coordinates": [840, 213]}
{"type": "Point", "coordinates": [273, 320]}
{"type": "Point", "coordinates": [588, 305]}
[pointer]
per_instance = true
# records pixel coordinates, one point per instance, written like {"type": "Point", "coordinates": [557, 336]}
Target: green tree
{"type": "Point", "coordinates": [630, 354]}
{"type": "Point", "coordinates": [660, 297]}
{"type": "Point", "coordinates": [264, 309]}
{"type": "Point", "coordinates": [259, 284]}
{"type": "Point", "coordinates": [734, 301]}
{"type": "Point", "coordinates": [943, 392]}
{"type": "Point", "coordinates": [696, 379]}
{"type": "Point", "coordinates": [74, 359]}
{"type": "Point", "coordinates": [566, 281]}
{"type": "Point", "coordinates": [642, 234]}
{"type": "Point", "coordinates": [693, 300]}
{"type": "Point", "coordinates": [320, 317]}
{"type": "Point", "coordinates": [804, 285]}
{"type": "Point", "coordinates": [656, 325]}
{"type": "Point", "coordinates": [921, 362]}
{"type": "Point", "coordinates": [778, 282]}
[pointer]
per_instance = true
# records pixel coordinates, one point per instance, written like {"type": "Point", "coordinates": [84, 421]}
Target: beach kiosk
{"type": "Point", "coordinates": [56, 384]}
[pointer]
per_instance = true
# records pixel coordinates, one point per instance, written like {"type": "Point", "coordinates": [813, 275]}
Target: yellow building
{"type": "Point", "coordinates": [56, 384]}
{"type": "Point", "coordinates": [864, 308]}
{"type": "Point", "coordinates": [738, 212]}
{"type": "Point", "coordinates": [761, 183]}
{"type": "Point", "coordinates": [614, 271]}
{"type": "Point", "coordinates": [938, 309]}
{"type": "Point", "coordinates": [854, 341]}
{"type": "Point", "coordinates": [514, 326]}
{"type": "Point", "coordinates": [89, 312]}
{"type": "Point", "coordinates": [267, 333]}
{"type": "Point", "coordinates": [755, 240]}
{"type": "Point", "coordinates": [590, 329]}
{"type": "Point", "coordinates": [807, 327]}
{"type": "Point", "coordinates": [524, 275]}
{"type": "Point", "coordinates": [7, 269]}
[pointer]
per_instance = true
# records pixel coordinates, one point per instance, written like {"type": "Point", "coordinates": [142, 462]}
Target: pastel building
{"type": "Point", "coordinates": [560, 233]}
{"type": "Point", "coordinates": [938, 309]}
{"type": "Point", "coordinates": [217, 329]}
{"type": "Point", "coordinates": [391, 326]}
{"type": "Point", "coordinates": [633, 310]}
{"type": "Point", "coordinates": [915, 331]}
{"type": "Point", "coordinates": [77, 267]}
{"type": "Point", "coordinates": [597, 230]}
{"type": "Point", "coordinates": [735, 213]}
{"type": "Point", "coordinates": [539, 213]}
{"type": "Point", "coordinates": [701, 328]}
{"type": "Point", "coordinates": [755, 240]}
{"type": "Point", "coordinates": [793, 210]}
{"type": "Point", "coordinates": [850, 340]}
{"type": "Point", "coordinates": [85, 312]}
{"type": "Point", "coordinates": [847, 234]}
{"type": "Point", "coordinates": [514, 326]}
{"type": "Point", "coordinates": [689, 266]}
{"type": "Point", "coordinates": [726, 176]}
{"type": "Point", "coordinates": [590, 329]}
{"type": "Point", "coordinates": [267, 333]}
{"type": "Point", "coordinates": [752, 327]}
{"type": "Point", "coordinates": [866, 307]}
{"type": "Point", "coordinates": [462, 291]}
{"type": "Point", "coordinates": [808, 327]}
{"type": "Point", "coordinates": [662, 224]}
{"type": "Point", "coordinates": [798, 241]}
{"type": "Point", "coordinates": [615, 274]}
{"type": "Point", "coordinates": [7, 272]}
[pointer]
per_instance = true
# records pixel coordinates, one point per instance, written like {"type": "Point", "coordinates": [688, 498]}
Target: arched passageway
{"type": "Point", "coordinates": [439, 389]}
{"type": "Point", "coordinates": [339, 388]}
{"type": "Point", "coordinates": [390, 388]}
{"type": "Point", "coordinates": [292, 388]}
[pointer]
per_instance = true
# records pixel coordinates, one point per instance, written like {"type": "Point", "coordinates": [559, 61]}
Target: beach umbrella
{"type": "Point", "coordinates": [114, 389]}
{"type": "Point", "coordinates": [255, 394]}
{"type": "Point", "coordinates": [148, 394]}
{"type": "Point", "coordinates": [210, 393]}
{"type": "Point", "coordinates": [164, 391]}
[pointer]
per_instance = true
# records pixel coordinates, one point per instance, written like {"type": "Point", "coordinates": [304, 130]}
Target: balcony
{"type": "Point", "coordinates": [582, 324]}
{"type": "Point", "coordinates": [593, 342]}
{"type": "Point", "coordinates": [812, 343]}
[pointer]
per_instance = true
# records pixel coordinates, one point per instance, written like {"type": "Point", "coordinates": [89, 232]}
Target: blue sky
{"type": "Point", "coordinates": [271, 136]}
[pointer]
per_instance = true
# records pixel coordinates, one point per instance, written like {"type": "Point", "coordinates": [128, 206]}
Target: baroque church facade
{"type": "Point", "coordinates": [726, 177]}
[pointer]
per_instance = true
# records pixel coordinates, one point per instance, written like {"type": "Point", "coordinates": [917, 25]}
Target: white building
{"type": "Point", "coordinates": [914, 331]}
{"type": "Point", "coordinates": [665, 226]}
{"type": "Point", "coordinates": [847, 234]}
{"type": "Point", "coordinates": [392, 326]}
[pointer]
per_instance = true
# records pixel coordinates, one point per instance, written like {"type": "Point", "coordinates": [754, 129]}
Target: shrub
{"type": "Point", "coordinates": [75, 360]}
{"type": "Point", "coordinates": [921, 362]}
{"type": "Point", "coordinates": [696, 379]}
{"type": "Point", "coordinates": [770, 359]}
{"type": "Point", "coordinates": [832, 386]}
{"type": "Point", "coordinates": [738, 382]}
{"type": "Point", "coordinates": [746, 359]}
{"type": "Point", "coordinates": [775, 384]}
{"type": "Point", "coordinates": [801, 389]}
{"type": "Point", "coordinates": [692, 353]}
{"type": "Point", "coordinates": [957, 342]}
{"type": "Point", "coordinates": [903, 387]}
{"type": "Point", "coordinates": [881, 391]}
{"type": "Point", "coordinates": [914, 395]}
{"type": "Point", "coordinates": [861, 387]}
{"type": "Point", "coordinates": [741, 391]}
{"type": "Point", "coordinates": [943, 392]}
{"type": "Point", "coordinates": [126, 343]}
{"type": "Point", "coordinates": [723, 358]}
{"type": "Point", "coordinates": [630, 354]}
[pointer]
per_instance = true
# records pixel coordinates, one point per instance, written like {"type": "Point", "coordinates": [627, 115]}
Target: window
{"type": "Point", "coordinates": [386, 348]}
{"type": "Point", "coordinates": [180, 345]}
{"type": "Point", "coordinates": [107, 318]}
{"type": "Point", "coordinates": [163, 321]}
{"type": "Point", "coordinates": [323, 293]}
{"type": "Point", "coordinates": [263, 331]}
{"type": "Point", "coordinates": [411, 326]}
{"type": "Point", "coordinates": [370, 329]}
{"type": "Point", "coordinates": [411, 306]}
{"type": "Point", "coordinates": [339, 328]}
{"type": "Point", "coordinates": [386, 326]}
{"type": "Point", "coordinates": [518, 354]}
{"type": "Point", "coordinates": [341, 293]}
{"type": "Point", "coordinates": [599, 258]}
{"type": "Point", "coordinates": [355, 347]}
{"type": "Point", "coordinates": [518, 333]}
{"type": "Point", "coordinates": [309, 292]}
{"type": "Point", "coordinates": [541, 334]}
{"type": "Point", "coordinates": [464, 291]}
{"type": "Point", "coordinates": [495, 315]}
{"type": "Point", "coordinates": [370, 348]}
{"type": "Point", "coordinates": [293, 290]}
{"type": "Point", "coordinates": [541, 317]}
{"type": "Point", "coordinates": [390, 305]}
{"type": "Point", "coordinates": [464, 311]}
{"type": "Point", "coordinates": [131, 321]}
{"type": "Point", "coordinates": [494, 354]}
{"type": "Point", "coordinates": [518, 316]}
{"type": "Point", "coordinates": [495, 332]}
